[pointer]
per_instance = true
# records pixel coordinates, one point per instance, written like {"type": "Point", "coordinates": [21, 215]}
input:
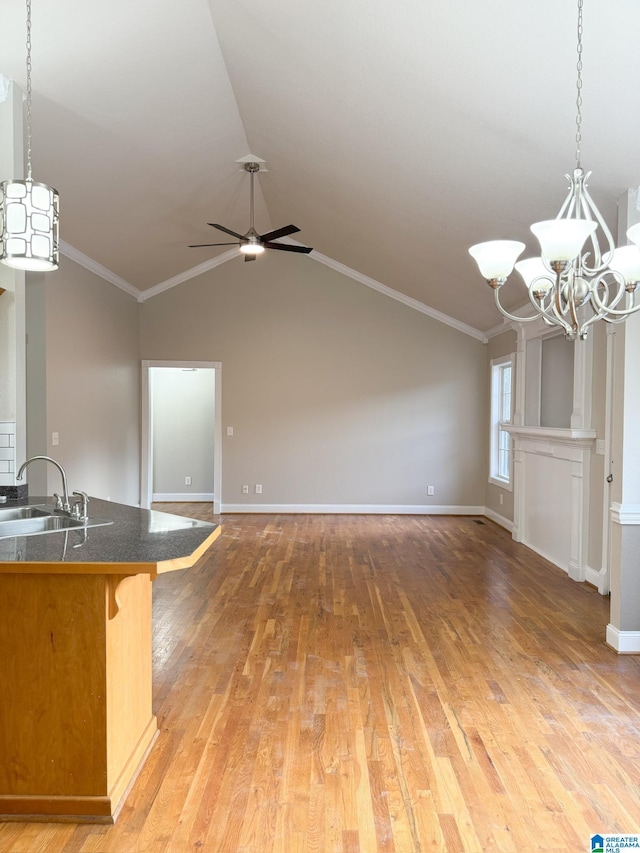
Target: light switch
{"type": "Point", "coordinates": [600, 446]}
{"type": "Point", "coordinates": [55, 438]}
{"type": "Point", "coordinates": [229, 430]}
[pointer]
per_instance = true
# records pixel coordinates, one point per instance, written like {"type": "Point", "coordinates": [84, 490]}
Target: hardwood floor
{"type": "Point", "coordinates": [375, 683]}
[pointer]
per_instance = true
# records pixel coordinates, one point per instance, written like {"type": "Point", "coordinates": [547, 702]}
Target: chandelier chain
{"type": "Point", "coordinates": [28, 90]}
{"type": "Point", "coordinates": [579, 87]}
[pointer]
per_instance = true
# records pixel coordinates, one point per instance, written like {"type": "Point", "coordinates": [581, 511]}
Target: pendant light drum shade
{"type": "Point", "coordinates": [29, 225]}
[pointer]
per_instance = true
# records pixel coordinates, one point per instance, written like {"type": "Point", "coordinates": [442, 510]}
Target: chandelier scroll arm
{"type": "Point", "coordinates": [573, 314]}
{"type": "Point", "coordinates": [590, 211]}
{"type": "Point", "coordinates": [603, 309]}
{"type": "Point", "coordinates": [552, 321]}
{"type": "Point", "coordinates": [555, 318]}
{"type": "Point", "coordinates": [506, 314]}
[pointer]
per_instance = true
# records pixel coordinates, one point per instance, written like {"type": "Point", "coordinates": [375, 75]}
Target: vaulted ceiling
{"type": "Point", "coordinates": [395, 134]}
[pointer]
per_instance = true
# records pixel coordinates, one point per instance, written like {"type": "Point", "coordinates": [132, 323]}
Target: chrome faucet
{"type": "Point", "coordinates": [80, 509]}
{"type": "Point", "coordinates": [62, 503]}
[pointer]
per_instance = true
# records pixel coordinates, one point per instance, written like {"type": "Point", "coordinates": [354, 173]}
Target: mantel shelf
{"type": "Point", "coordinates": [553, 434]}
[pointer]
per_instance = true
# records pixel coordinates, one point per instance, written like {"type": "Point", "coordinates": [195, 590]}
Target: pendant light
{"type": "Point", "coordinates": [575, 281]}
{"type": "Point", "coordinates": [29, 209]}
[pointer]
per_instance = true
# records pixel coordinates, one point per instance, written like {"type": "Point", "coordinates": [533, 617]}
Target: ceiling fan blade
{"type": "Point", "coordinates": [283, 247]}
{"type": "Point", "coordinates": [249, 258]}
{"type": "Point", "coordinates": [279, 232]}
{"type": "Point", "coordinates": [226, 230]}
{"type": "Point", "coordinates": [201, 245]}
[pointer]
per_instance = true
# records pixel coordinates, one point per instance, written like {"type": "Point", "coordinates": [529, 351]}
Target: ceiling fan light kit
{"type": "Point", "coordinates": [253, 247]}
{"type": "Point", "coordinates": [252, 244]}
{"type": "Point", "coordinates": [29, 210]}
{"type": "Point", "coordinates": [573, 282]}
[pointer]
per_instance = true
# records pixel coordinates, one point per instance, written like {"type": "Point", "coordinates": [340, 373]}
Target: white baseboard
{"type": "Point", "coordinates": [355, 509]}
{"type": "Point", "coordinates": [499, 519]}
{"type": "Point", "coordinates": [548, 557]}
{"type": "Point", "coordinates": [597, 578]}
{"type": "Point", "coordinates": [177, 497]}
{"type": "Point", "coordinates": [624, 642]}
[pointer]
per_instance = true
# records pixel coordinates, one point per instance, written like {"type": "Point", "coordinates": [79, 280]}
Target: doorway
{"type": "Point", "coordinates": [171, 440]}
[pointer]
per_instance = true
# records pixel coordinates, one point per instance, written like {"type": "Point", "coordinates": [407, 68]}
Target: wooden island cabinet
{"type": "Point", "coordinates": [76, 716]}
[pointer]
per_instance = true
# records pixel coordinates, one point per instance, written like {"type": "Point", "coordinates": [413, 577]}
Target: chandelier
{"type": "Point", "coordinates": [28, 209]}
{"type": "Point", "coordinates": [575, 281]}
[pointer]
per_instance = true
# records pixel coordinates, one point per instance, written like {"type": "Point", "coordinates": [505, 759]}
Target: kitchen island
{"type": "Point", "coordinates": [76, 718]}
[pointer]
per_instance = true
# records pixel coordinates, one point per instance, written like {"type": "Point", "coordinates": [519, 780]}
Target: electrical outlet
{"type": "Point", "coordinates": [431, 490]}
{"type": "Point", "coordinates": [501, 499]}
{"type": "Point", "coordinates": [187, 481]}
{"type": "Point", "coordinates": [245, 490]}
{"type": "Point", "coordinates": [258, 489]}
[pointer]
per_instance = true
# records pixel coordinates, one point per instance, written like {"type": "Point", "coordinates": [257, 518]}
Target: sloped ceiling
{"type": "Point", "coordinates": [395, 134]}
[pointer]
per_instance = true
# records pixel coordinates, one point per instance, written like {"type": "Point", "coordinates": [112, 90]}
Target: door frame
{"type": "Point", "coordinates": [146, 461]}
{"type": "Point", "coordinates": [604, 579]}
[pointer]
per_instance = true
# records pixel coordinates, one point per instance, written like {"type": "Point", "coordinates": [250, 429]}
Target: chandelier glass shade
{"type": "Point", "coordinates": [29, 210]}
{"type": "Point", "coordinates": [579, 277]}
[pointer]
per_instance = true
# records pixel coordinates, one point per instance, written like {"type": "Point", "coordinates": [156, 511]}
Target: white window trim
{"type": "Point", "coordinates": [495, 427]}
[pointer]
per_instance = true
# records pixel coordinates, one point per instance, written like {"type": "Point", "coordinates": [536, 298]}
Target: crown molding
{"type": "Point", "coordinates": [142, 295]}
{"type": "Point", "coordinates": [211, 264]}
{"type": "Point", "coordinates": [93, 266]}
{"type": "Point", "coordinates": [500, 329]}
{"type": "Point", "coordinates": [399, 297]}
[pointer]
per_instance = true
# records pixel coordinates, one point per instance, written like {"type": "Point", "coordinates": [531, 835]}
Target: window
{"type": "Point", "coordinates": [501, 409]}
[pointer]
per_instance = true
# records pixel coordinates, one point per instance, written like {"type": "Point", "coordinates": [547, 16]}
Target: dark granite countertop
{"type": "Point", "coordinates": [146, 540]}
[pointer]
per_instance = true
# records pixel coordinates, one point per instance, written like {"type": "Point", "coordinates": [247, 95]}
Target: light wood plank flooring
{"type": "Point", "coordinates": [344, 684]}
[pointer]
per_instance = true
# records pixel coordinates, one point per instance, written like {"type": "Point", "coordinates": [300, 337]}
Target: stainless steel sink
{"type": "Point", "coordinates": [16, 512]}
{"type": "Point", "coordinates": [32, 520]}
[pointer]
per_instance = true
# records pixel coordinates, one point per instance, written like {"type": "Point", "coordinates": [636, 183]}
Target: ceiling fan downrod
{"type": "Point", "coordinates": [252, 245]}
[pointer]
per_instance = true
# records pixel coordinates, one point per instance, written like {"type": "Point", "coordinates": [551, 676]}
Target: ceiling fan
{"type": "Point", "coordinates": [252, 243]}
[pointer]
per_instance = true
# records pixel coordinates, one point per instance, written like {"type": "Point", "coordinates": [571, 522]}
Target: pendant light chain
{"type": "Point", "coordinates": [28, 90]}
{"type": "Point", "coordinates": [579, 87]}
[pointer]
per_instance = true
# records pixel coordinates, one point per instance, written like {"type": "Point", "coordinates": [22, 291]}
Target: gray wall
{"type": "Point", "coordinates": [183, 430]}
{"type": "Point", "coordinates": [498, 346]}
{"type": "Point", "coordinates": [556, 382]}
{"type": "Point", "coordinates": [85, 382]}
{"type": "Point", "coordinates": [336, 393]}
